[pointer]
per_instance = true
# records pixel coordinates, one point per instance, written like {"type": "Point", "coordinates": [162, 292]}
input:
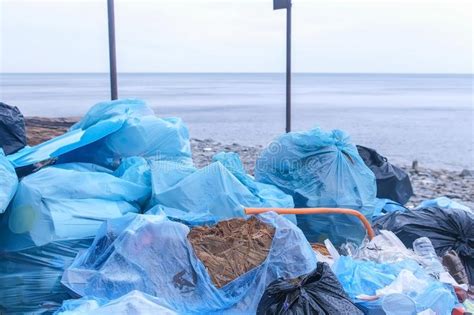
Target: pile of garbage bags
{"type": "Point", "coordinates": [96, 221]}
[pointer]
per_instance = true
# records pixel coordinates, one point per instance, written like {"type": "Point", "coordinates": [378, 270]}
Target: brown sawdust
{"type": "Point", "coordinates": [321, 248]}
{"type": "Point", "coordinates": [231, 248]}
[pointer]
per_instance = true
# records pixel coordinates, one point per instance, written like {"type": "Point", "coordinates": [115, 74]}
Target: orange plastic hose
{"type": "Point", "coordinates": [368, 227]}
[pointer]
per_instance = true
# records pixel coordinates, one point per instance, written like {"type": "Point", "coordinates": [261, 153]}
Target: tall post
{"type": "Point", "coordinates": [112, 54]}
{"type": "Point", "coordinates": [288, 67]}
{"type": "Point", "coordinates": [277, 5]}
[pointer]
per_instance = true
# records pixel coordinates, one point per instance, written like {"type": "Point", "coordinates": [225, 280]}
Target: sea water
{"type": "Point", "coordinates": [427, 117]}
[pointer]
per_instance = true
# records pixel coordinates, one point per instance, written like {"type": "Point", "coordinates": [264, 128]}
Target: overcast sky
{"type": "Point", "coordinates": [416, 36]}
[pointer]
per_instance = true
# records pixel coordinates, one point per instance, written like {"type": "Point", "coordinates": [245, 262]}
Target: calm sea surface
{"type": "Point", "coordinates": [405, 117]}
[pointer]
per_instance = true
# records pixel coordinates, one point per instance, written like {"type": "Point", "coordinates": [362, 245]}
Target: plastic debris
{"type": "Point", "coordinates": [383, 248]}
{"type": "Point", "coordinates": [318, 292]}
{"type": "Point", "coordinates": [12, 129]}
{"type": "Point", "coordinates": [392, 182]}
{"type": "Point", "coordinates": [111, 131]}
{"type": "Point", "coordinates": [134, 302]}
{"type": "Point", "coordinates": [447, 229]}
{"type": "Point", "coordinates": [444, 203]}
{"type": "Point", "coordinates": [362, 280]}
{"type": "Point", "coordinates": [155, 257]}
{"type": "Point", "coordinates": [386, 206]}
{"type": "Point", "coordinates": [321, 169]}
{"type": "Point", "coordinates": [212, 194]}
{"type": "Point", "coordinates": [54, 214]}
{"type": "Point", "coordinates": [454, 265]}
{"type": "Point", "coordinates": [423, 247]}
{"type": "Point", "coordinates": [9, 182]}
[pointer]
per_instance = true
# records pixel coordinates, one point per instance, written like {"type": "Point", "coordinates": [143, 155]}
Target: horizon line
{"type": "Point", "coordinates": [231, 72]}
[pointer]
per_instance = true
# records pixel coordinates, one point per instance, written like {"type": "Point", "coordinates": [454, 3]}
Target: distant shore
{"type": "Point", "coordinates": [427, 183]}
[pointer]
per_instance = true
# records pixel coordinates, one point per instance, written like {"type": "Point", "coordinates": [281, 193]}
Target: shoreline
{"type": "Point", "coordinates": [427, 183]}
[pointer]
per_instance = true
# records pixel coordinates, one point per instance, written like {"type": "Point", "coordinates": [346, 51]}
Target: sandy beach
{"type": "Point", "coordinates": [427, 183]}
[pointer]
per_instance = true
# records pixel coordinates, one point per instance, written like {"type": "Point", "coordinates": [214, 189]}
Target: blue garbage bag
{"type": "Point", "coordinates": [65, 143]}
{"type": "Point", "coordinates": [269, 194]}
{"type": "Point", "coordinates": [154, 256]}
{"type": "Point", "coordinates": [386, 206]}
{"type": "Point", "coordinates": [444, 203]}
{"type": "Point", "coordinates": [134, 302]}
{"type": "Point", "coordinates": [366, 277]}
{"type": "Point", "coordinates": [321, 169]}
{"type": "Point", "coordinates": [128, 107]}
{"type": "Point", "coordinates": [54, 214]}
{"type": "Point", "coordinates": [147, 136]}
{"type": "Point", "coordinates": [8, 183]}
{"type": "Point", "coordinates": [111, 131]}
{"type": "Point", "coordinates": [166, 174]}
{"type": "Point", "coordinates": [212, 194]}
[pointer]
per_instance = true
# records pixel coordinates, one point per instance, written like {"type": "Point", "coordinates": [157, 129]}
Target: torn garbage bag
{"type": "Point", "coordinates": [111, 131]}
{"type": "Point", "coordinates": [134, 302]}
{"type": "Point", "coordinates": [392, 182]}
{"type": "Point", "coordinates": [8, 182]}
{"type": "Point", "coordinates": [321, 169]}
{"type": "Point", "coordinates": [213, 193]}
{"type": "Point", "coordinates": [54, 214]}
{"type": "Point", "coordinates": [447, 229]}
{"type": "Point", "coordinates": [366, 279]}
{"type": "Point", "coordinates": [154, 256]}
{"type": "Point", "coordinates": [318, 292]}
{"type": "Point", "coordinates": [12, 129]}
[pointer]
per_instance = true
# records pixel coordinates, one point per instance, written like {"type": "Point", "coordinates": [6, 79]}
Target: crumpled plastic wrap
{"type": "Point", "coordinates": [364, 279]}
{"type": "Point", "coordinates": [134, 302]}
{"type": "Point", "coordinates": [151, 254]}
{"type": "Point", "coordinates": [383, 248]}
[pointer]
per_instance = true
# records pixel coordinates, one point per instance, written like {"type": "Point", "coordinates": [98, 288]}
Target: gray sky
{"type": "Point", "coordinates": [415, 36]}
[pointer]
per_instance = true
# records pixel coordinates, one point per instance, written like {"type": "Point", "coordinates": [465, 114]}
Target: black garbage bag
{"type": "Point", "coordinates": [12, 129]}
{"type": "Point", "coordinates": [318, 292]}
{"type": "Point", "coordinates": [448, 229]}
{"type": "Point", "coordinates": [392, 182]}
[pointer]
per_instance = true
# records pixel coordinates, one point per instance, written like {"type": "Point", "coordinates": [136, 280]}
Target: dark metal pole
{"type": "Point", "coordinates": [288, 67]}
{"type": "Point", "coordinates": [112, 56]}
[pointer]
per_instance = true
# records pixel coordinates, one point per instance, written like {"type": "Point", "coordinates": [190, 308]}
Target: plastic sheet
{"type": "Point", "coordinates": [383, 248]}
{"type": "Point", "coordinates": [166, 174]}
{"type": "Point", "coordinates": [8, 183]}
{"type": "Point", "coordinates": [316, 293]}
{"type": "Point", "coordinates": [386, 206]}
{"type": "Point", "coordinates": [366, 277]}
{"type": "Point", "coordinates": [321, 169]}
{"type": "Point", "coordinates": [147, 136]}
{"type": "Point", "coordinates": [111, 131]}
{"type": "Point", "coordinates": [65, 143]}
{"type": "Point", "coordinates": [55, 213]}
{"type": "Point", "coordinates": [213, 193]}
{"type": "Point", "coordinates": [154, 256]}
{"type": "Point", "coordinates": [134, 302]}
{"type": "Point", "coordinates": [448, 229]}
